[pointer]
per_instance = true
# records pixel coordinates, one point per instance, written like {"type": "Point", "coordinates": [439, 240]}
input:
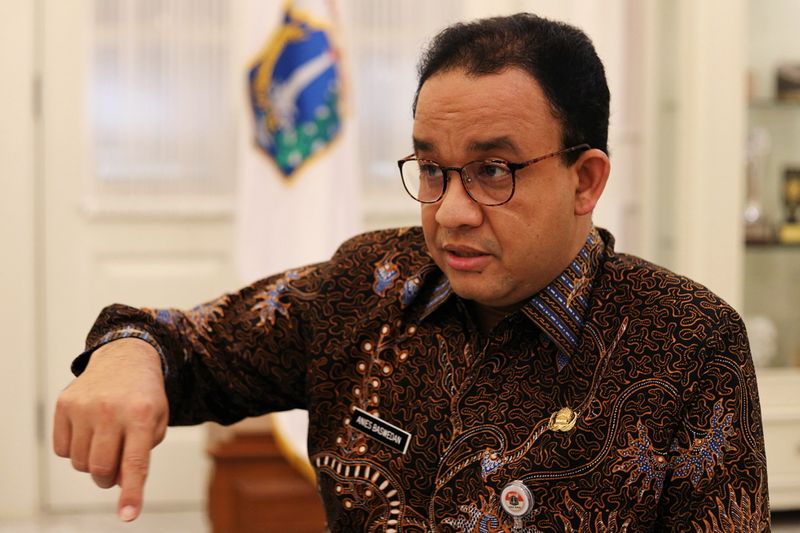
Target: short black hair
{"type": "Point", "coordinates": [560, 57]}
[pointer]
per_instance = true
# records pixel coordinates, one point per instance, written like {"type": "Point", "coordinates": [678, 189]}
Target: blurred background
{"type": "Point", "coordinates": [132, 172]}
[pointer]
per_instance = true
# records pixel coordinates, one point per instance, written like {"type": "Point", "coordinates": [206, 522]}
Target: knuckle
{"type": "Point", "coordinates": [63, 405]}
{"type": "Point", "coordinates": [104, 482]}
{"type": "Point", "coordinates": [61, 450]}
{"type": "Point", "coordinates": [160, 433]}
{"type": "Point", "coordinates": [107, 411]}
{"type": "Point", "coordinates": [136, 464]}
{"type": "Point", "coordinates": [143, 411]}
{"type": "Point", "coordinates": [102, 471]}
{"type": "Point", "coordinates": [79, 465]}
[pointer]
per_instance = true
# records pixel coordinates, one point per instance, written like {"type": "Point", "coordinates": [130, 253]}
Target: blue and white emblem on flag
{"type": "Point", "coordinates": [295, 91]}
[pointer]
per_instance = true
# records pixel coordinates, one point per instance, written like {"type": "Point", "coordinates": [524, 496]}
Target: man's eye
{"type": "Point", "coordinates": [492, 170]}
{"type": "Point", "coordinates": [429, 171]}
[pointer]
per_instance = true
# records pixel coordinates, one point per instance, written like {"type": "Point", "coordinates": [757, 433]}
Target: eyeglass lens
{"type": "Point", "coordinates": [487, 182]}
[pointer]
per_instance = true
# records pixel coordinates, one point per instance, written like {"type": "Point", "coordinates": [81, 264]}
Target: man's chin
{"type": "Point", "coordinates": [484, 295]}
{"type": "Point", "coordinates": [474, 285]}
{"type": "Point", "coordinates": [476, 292]}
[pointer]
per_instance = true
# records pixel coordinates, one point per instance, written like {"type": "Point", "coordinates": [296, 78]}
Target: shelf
{"type": "Point", "coordinates": [772, 245]}
{"type": "Point", "coordinates": [773, 104]}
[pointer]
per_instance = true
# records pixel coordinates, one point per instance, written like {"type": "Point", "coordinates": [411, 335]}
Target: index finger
{"type": "Point", "coordinates": [133, 473]}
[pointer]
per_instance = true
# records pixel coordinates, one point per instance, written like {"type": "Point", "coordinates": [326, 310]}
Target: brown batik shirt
{"type": "Point", "coordinates": [621, 396]}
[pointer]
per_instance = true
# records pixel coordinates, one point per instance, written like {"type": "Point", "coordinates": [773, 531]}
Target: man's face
{"type": "Point", "coordinates": [497, 256]}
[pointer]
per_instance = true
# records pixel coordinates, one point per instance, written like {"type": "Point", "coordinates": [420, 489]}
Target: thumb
{"type": "Point", "coordinates": [133, 473]}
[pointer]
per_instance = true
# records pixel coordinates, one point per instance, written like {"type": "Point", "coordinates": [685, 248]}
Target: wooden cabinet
{"type": "Point", "coordinates": [253, 489]}
{"type": "Point", "coordinates": [780, 406]}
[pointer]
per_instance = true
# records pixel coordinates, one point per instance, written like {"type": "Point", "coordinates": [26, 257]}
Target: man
{"type": "Point", "coordinates": [501, 369]}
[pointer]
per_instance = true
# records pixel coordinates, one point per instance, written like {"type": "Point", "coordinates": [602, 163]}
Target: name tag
{"type": "Point", "coordinates": [380, 430]}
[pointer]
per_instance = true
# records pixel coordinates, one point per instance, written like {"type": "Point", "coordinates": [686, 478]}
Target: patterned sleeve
{"type": "Point", "coordinates": [717, 479]}
{"type": "Point", "coordinates": [240, 355]}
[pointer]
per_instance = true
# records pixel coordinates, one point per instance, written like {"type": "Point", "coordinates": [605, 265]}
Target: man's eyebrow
{"type": "Point", "coordinates": [422, 146]}
{"type": "Point", "coordinates": [497, 143]}
{"type": "Point", "coordinates": [487, 145]}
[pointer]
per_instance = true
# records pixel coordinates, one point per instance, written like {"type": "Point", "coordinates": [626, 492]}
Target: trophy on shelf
{"type": "Point", "coordinates": [788, 82]}
{"type": "Point", "coordinates": [758, 228]}
{"type": "Point", "coordinates": [790, 230]}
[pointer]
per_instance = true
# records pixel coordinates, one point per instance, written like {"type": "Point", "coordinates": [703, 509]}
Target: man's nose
{"type": "Point", "coordinates": [457, 208]}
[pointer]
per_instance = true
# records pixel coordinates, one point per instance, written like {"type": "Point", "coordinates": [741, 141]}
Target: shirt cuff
{"type": "Point", "coordinates": [126, 332]}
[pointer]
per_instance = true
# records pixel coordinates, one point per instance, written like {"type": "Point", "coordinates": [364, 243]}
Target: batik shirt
{"type": "Point", "coordinates": [621, 397]}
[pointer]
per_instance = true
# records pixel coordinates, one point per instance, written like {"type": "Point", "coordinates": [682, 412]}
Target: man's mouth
{"type": "Point", "coordinates": [465, 258]}
{"type": "Point", "coordinates": [462, 253]}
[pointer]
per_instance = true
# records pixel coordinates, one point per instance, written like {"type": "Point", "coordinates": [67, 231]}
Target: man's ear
{"type": "Point", "coordinates": [593, 168]}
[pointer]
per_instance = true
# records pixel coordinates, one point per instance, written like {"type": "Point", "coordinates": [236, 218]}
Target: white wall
{"type": "Point", "coordinates": [18, 445]}
{"type": "Point", "coordinates": [709, 180]}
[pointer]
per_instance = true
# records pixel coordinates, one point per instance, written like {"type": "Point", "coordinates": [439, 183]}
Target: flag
{"type": "Point", "coordinates": [298, 185]}
{"type": "Point", "coordinates": [295, 90]}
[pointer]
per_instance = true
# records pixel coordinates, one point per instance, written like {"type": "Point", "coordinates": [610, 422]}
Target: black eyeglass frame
{"type": "Point", "coordinates": [513, 167]}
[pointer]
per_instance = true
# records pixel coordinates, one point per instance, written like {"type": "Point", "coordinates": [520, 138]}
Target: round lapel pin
{"type": "Point", "coordinates": [563, 420]}
{"type": "Point", "coordinates": [516, 499]}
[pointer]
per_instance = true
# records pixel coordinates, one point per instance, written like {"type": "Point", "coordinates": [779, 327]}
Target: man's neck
{"type": "Point", "coordinates": [486, 317]}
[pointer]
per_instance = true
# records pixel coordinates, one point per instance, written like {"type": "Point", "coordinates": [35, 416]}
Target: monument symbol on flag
{"type": "Point", "coordinates": [295, 91]}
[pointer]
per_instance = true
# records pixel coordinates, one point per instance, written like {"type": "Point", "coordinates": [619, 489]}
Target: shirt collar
{"type": "Point", "coordinates": [559, 309]}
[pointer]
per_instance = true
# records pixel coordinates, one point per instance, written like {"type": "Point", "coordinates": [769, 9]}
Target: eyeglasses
{"type": "Point", "coordinates": [490, 182]}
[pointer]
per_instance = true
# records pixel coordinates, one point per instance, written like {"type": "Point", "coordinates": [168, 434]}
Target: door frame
{"type": "Point", "coordinates": [19, 239]}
